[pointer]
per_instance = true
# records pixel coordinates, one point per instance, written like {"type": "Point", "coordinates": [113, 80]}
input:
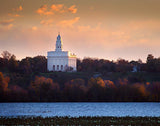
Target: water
{"type": "Point", "coordinates": [80, 109]}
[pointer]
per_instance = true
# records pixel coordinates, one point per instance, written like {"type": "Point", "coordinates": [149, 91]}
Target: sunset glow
{"type": "Point", "coordinates": [108, 29]}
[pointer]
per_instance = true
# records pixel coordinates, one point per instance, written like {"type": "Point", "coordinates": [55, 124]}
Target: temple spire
{"type": "Point", "coordinates": [58, 43]}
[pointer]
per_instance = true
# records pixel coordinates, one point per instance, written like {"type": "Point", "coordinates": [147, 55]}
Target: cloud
{"type": "Point", "coordinates": [145, 24]}
{"type": "Point", "coordinates": [9, 26]}
{"type": "Point", "coordinates": [34, 28]}
{"type": "Point", "coordinates": [88, 28]}
{"type": "Point", "coordinates": [43, 11]}
{"type": "Point", "coordinates": [17, 11]}
{"type": "Point", "coordinates": [47, 22]}
{"type": "Point", "coordinates": [6, 22]}
{"type": "Point", "coordinates": [18, 8]}
{"type": "Point", "coordinates": [84, 28]}
{"type": "Point", "coordinates": [72, 9]}
{"type": "Point", "coordinates": [68, 23]}
{"type": "Point", "coordinates": [129, 40]}
{"type": "Point", "coordinates": [58, 8]}
{"type": "Point", "coordinates": [14, 15]}
{"type": "Point", "coordinates": [48, 13]}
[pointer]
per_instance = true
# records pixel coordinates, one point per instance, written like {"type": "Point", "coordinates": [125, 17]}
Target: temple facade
{"type": "Point", "coordinates": [60, 60]}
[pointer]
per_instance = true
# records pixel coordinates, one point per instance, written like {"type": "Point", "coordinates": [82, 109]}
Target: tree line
{"type": "Point", "coordinates": [29, 81]}
{"type": "Point", "coordinates": [28, 65]}
{"type": "Point", "coordinates": [42, 89]}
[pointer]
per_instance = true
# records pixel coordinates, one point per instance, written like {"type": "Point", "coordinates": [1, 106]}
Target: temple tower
{"type": "Point", "coordinates": [60, 60]}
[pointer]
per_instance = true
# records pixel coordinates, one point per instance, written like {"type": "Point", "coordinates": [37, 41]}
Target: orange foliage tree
{"type": "Point", "coordinates": [75, 89]}
{"type": "Point", "coordinates": [96, 81]}
{"type": "Point", "coordinates": [43, 87]}
{"type": "Point", "coordinates": [4, 82]}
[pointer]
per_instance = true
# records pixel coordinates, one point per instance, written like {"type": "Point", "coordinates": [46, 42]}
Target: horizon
{"type": "Point", "coordinates": [93, 58]}
{"type": "Point", "coordinates": [96, 29]}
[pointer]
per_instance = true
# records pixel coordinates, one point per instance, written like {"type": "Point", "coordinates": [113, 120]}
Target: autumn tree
{"type": "Point", "coordinates": [123, 65]}
{"type": "Point", "coordinates": [150, 57]}
{"type": "Point", "coordinates": [154, 89]}
{"type": "Point", "coordinates": [109, 84]}
{"type": "Point", "coordinates": [39, 64]}
{"type": "Point", "coordinates": [96, 91]}
{"type": "Point", "coordinates": [153, 64]}
{"type": "Point", "coordinates": [142, 89]}
{"type": "Point", "coordinates": [25, 65]}
{"type": "Point", "coordinates": [18, 94]}
{"type": "Point", "coordinates": [75, 90]}
{"type": "Point", "coordinates": [13, 64]}
{"type": "Point", "coordinates": [43, 87]}
{"type": "Point", "coordinates": [4, 60]}
{"type": "Point", "coordinates": [3, 86]}
{"type": "Point", "coordinates": [6, 55]}
{"type": "Point", "coordinates": [3, 82]}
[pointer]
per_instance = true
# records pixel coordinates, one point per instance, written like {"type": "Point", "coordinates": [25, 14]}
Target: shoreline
{"type": "Point", "coordinates": [83, 120]}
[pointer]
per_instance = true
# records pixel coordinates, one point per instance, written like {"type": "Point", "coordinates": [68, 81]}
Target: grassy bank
{"type": "Point", "coordinates": [143, 121]}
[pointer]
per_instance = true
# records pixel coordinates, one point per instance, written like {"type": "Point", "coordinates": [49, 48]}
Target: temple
{"type": "Point", "coordinates": [60, 60]}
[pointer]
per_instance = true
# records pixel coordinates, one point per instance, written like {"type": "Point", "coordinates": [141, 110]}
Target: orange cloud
{"type": "Point", "coordinates": [43, 11]}
{"type": "Point", "coordinates": [46, 22]}
{"type": "Point", "coordinates": [68, 23]}
{"type": "Point", "coordinates": [60, 8]}
{"type": "Point", "coordinates": [48, 13]}
{"type": "Point", "coordinates": [34, 28]}
{"type": "Point", "coordinates": [7, 22]}
{"type": "Point", "coordinates": [9, 26]}
{"type": "Point", "coordinates": [72, 9]}
{"type": "Point", "coordinates": [57, 7]}
{"type": "Point", "coordinates": [18, 9]}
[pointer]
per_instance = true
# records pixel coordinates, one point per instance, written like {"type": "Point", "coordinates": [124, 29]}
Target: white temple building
{"type": "Point", "coordinates": [60, 60]}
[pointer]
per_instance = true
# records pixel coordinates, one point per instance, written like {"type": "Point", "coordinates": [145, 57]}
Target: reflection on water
{"type": "Point", "coordinates": [79, 109]}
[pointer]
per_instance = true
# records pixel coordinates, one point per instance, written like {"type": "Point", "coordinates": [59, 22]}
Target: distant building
{"type": "Point", "coordinates": [134, 69]}
{"type": "Point", "coordinates": [59, 60]}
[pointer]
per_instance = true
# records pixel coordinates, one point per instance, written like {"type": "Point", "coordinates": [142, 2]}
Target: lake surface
{"type": "Point", "coordinates": [80, 109]}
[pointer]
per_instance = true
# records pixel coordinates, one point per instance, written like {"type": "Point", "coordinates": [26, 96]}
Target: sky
{"type": "Point", "coordinates": [108, 29]}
